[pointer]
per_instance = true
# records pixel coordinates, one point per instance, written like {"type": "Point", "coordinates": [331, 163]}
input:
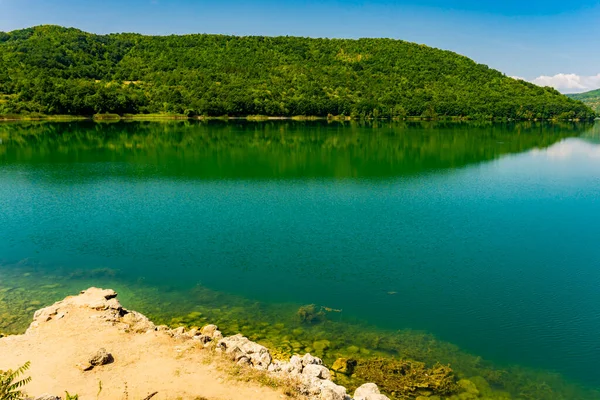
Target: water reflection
{"type": "Point", "coordinates": [274, 150]}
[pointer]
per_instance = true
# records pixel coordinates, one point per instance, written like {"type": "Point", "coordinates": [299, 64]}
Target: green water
{"type": "Point", "coordinates": [469, 244]}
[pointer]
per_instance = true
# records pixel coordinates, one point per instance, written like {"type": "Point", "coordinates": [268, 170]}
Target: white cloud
{"type": "Point", "coordinates": [569, 83]}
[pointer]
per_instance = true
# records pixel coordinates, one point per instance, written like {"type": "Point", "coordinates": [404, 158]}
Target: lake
{"type": "Point", "coordinates": [474, 244]}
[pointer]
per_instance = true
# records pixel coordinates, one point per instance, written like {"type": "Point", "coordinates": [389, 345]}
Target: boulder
{"type": "Point", "coordinates": [203, 339]}
{"type": "Point", "coordinates": [318, 371]}
{"type": "Point", "coordinates": [239, 346]}
{"type": "Point", "coordinates": [331, 391]}
{"type": "Point", "coordinates": [296, 364]}
{"type": "Point", "coordinates": [293, 367]}
{"type": "Point", "coordinates": [137, 322]}
{"type": "Point", "coordinates": [178, 331]}
{"type": "Point", "coordinates": [368, 391]}
{"type": "Point", "coordinates": [209, 330]}
{"type": "Point", "coordinates": [308, 360]}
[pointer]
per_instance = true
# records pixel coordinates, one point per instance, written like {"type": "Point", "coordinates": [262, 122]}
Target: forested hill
{"type": "Point", "coordinates": [591, 99]}
{"type": "Point", "coordinates": [55, 70]}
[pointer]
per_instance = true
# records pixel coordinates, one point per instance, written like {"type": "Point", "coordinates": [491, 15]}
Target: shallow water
{"type": "Point", "coordinates": [483, 235]}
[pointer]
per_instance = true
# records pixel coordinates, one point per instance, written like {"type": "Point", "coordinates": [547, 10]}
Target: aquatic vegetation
{"type": "Point", "coordinates": [10, 386]}
{"type": "Point", "coordinates": [310, 314]}
{"type": "Point", "coordinates": [408, 379]}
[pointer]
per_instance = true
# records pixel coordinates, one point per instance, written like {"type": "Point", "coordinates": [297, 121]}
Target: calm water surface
{"type": "Point", "coordinates": [486, 236]}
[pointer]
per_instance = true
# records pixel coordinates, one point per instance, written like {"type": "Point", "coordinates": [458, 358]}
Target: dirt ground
{"type": "Point", "coordinates": [144, 363]}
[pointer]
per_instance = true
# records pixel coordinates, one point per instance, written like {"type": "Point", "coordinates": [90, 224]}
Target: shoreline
{"type": "Point", "coordinates": [259, 118]}
{"type": "Point", "coordinates": [371, 368]}
{"type": "Point", "coordinates": [327, 337]}
{"type": "Point", "coordinates": [127, 342]}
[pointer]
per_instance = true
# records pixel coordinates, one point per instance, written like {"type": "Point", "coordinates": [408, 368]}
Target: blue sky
{"type": "Point", "coordinates": [549, 42]}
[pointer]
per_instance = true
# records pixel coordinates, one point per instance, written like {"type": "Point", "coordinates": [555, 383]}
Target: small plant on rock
{"type": "Point", "coordinates": [10, 387]}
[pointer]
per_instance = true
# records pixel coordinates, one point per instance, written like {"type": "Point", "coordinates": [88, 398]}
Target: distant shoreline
{"type": "Point", "coordinates": [256, 118]}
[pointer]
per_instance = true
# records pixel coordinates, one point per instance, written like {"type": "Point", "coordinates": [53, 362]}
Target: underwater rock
{"type": "Point", "coordinates": [310, 315]}
{"type": "Point", "coordinates": [321, 345]}
{"type": "Point", "coordinates": [353, 349]}
{"type": "Point", "coordinates": [344, 366]}
{"type": "Point", "coordinates": [469, 389]}
{"type": "Point", "coordinates": [259, 356]}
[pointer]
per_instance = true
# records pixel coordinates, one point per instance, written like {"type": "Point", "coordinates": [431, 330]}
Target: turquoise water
{"type": "Point", "coordinates": [486, 236]}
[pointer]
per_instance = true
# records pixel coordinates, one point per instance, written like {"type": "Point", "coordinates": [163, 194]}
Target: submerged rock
{"type": "Point", "coordinates": [344, 366]}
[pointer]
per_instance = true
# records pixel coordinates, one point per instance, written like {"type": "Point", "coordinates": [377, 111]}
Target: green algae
{"type": "Point", "coordinates": [407, 379]}
{"type": "Point", "coordinates": [25, 288]}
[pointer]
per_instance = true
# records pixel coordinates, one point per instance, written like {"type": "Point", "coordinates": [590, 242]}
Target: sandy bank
{"type": "Point", "coordinates": [139, 359]}
{"type": "Point", "coordinates": [145, 360]}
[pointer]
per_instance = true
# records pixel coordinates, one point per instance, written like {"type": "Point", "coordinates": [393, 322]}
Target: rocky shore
{"type": "Point", "coordinates": [89, 344]}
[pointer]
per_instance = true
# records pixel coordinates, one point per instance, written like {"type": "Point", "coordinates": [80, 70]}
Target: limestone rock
{"type": "Point", "coordinates": [203, 339]}
{"type": "Point", "coordinates": [217, 335]}
{"type": "Point", "coordinates": [94, 298]}
{"type": "Point", "coordinates": [293, 367]}
{"type": "Point", "coordinates": [331, 391]}
{"type": "Point", "coordinates": [178, 332]}
{"type": "Point", "coordinates": [193, 332]}
{"type": "Point", "coordinates": [137, 322]}
{"type": "Point", "coordinates": [308, 360]}
{"type": "Point", "coordinates": [47, 397]}
{"type": "Point", "coordinates": [318, 371]}
{"type": "Point", "coordinates": [209, 330]}
{"type": "Point", "coordinates": [296, 364]}
{"type": "Point", "coordinates": [239, 346]}
{"type": "Point", "coordinates": [368, 391]}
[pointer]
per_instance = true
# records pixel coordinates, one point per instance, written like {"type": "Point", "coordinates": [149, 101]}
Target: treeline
{"type": "Point", "coordinates": [54, 70]}
{"type": "Point", "coordinates": [591, 99]}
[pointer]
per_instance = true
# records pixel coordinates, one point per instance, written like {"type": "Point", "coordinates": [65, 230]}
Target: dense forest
{"type": "Point", "coordinates": [53, 70]}
{"type": "Point", "coordinates": [591, 99]}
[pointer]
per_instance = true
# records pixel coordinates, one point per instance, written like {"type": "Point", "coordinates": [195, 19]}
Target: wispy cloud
{"type": "Point", "coordinates": [568, 83]}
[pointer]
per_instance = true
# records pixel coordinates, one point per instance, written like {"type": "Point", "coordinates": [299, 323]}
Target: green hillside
{"type": "Point", "coordinates": [55, 70]}
{"type": "Point", "coordinates": [591, 99]}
